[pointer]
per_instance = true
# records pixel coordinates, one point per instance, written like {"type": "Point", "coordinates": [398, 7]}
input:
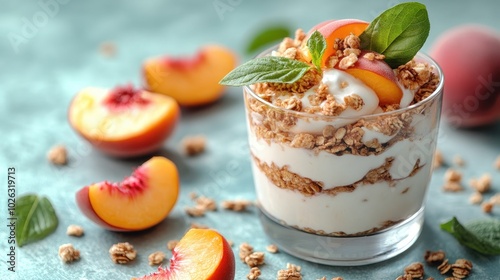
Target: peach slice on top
{"type": "Point", "coordinates": [334, 29]}
{"type": "Point", "coordinates": [192, 81]}
{"type": "Point", "coordinates": [124, 121]}
{"type": "Point", "coordinates": [202, 254]}
{"type": "Point", "coordinates": [379, 76]}
{"type": "Point", "coordinates": [140, 201]}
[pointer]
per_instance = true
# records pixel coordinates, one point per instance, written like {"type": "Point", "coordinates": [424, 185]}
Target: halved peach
{"type": "Point", "coordinates": [124, 121]}
{"type": "Point", "coordinates": [334, 29]}
{"type": "Point", "coordinates": [191, 81]}
{"type": "Point", "coordinates": [379, 76]}
{"type": "Point", "coordinates": [139, 202]}
{"type": "Point", "coordinates": [202, 254]}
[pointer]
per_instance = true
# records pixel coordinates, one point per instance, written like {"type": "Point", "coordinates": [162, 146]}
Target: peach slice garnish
{"type": "Point", "coordinates": [124, 121]}
{"type": "Point", "coordinates": [334, 29]}
{"type": "Point", "coordinates": [379, 76]}
{"type": "Point", "coordinates": [140, 201]}
{"type": "Point", "coordinates": [202, 254]}
{"type": "Point", "coordinates": [192, 81]}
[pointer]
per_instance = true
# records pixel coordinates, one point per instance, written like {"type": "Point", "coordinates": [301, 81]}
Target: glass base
{"type": "Point", "coordinates": [344, 251]}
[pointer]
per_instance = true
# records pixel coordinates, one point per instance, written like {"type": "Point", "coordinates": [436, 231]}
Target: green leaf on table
{"type": "Point", "coordinates": [273, 69]}
{"type": "Point", "coordinates": [267, 36]}
{"type": "Point", "coordinates": [36, 218]}
{"type": "Point", "coordinates": [317, 46]}
{"type": "Point", "coordinates": [482, 236]}
{"type": "Point", "coordinates": [398, 33]}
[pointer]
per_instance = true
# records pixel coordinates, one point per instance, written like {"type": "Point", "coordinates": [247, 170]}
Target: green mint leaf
{"type": "Point", "coordinates": [267, 36]}
{"type": "Point", "coordinates": [36, 219]}
{"type": "Point", "coordinates": [274, 69]}
{"type": "Point", "coordinates": [317, 46]}
{"type": "Point", "coordinates": [398, 33]}
{"type": "Point", "coordinates": [481, 236]}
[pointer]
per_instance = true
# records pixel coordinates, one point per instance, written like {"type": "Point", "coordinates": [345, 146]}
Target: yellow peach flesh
{"type": "Point", "coordinates": [143, 208]}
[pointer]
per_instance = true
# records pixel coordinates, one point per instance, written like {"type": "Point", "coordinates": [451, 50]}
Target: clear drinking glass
{"type": "Point", "coordinates": [343, 191]}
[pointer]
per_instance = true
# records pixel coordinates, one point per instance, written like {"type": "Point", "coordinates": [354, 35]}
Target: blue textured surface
{"type": "Point", "coordinates": [60, 55]}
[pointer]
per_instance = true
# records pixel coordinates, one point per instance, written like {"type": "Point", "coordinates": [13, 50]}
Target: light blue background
{"type": "Point", "coordinates": [40, 75]}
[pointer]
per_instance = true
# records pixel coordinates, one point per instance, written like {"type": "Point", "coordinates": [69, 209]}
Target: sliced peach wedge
{"type": "Point", "coordinates": [124, 121]}
{"type": "Point", "coordinates": [140, 201]}
{"type": "Point", "coordinates": [379, 76]}
{"type": "Point", "coordinates": [202, 254]}
{"type": "Point", "coordinates": [192, 81]}
{"type": "Point", "coordinates": [334, 29]}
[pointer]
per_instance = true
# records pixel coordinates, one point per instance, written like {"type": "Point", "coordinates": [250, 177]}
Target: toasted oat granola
{"type": "Point", "coordinates": [272, 248]}
{"type": "Point", "coordinates": [193, 145]}
{"type": "Point", "coordinates": [58, 155]}
{"type": "Point", "coordinates": [172, 243]}
{"type": "Point", "coordinates": [292, 272]}
{"type": "Point", "coordinates": [156, 258]}
{"type": "Point", "coordinates": [122, 253]}
{"type": "Point", "coordinates": [74, 230]}
{"type": "Point", "coordinates": [481, 184]}
{"type": "Point", "coordinates": [254, 273]}
{"type": "Point", "coordinates": [245, 250]}
{"type": "Point", "coordinates": [68, 253]}
{"type": "Point", "coordinates": [236, 205]}
{"type": "Point", "coordinates": [255, 259]}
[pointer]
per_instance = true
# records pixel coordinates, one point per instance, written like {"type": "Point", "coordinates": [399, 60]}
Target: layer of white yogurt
{"type": "Point", "coordinates": [367, 207]}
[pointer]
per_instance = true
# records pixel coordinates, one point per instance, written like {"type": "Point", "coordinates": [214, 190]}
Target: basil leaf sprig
{"type": "Point", "coordinates": [36, 218]}
{"type": "Point", "coordinates": [482, 236]}
{"type": "Point", "coordinates": [317, 46]}
{"type": "Point", "coordinates": [398, 33]}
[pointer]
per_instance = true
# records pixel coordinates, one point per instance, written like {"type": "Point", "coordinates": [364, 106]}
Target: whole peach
{"type": "Point", "coordinates": [469, 56]}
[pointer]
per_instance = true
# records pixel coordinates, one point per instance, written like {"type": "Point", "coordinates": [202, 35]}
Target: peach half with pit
{"type": "Point", "coordinates": [140, 201]}
{"type": "Point", "coordinates": [202, 254]}
{"type": "Point", "coordinates": [192, 81]}
{"type": "Point", "coordinates": [338, 29]}
{"type": "Point", "coordinates": [469, 56]}
{"type": "Point", "coordinates": [124, 121]}
{"type": "Point", "coordinates": [379, 76]}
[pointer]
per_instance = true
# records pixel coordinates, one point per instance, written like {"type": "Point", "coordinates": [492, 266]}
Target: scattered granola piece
{"type": "Point", "coordinates": [476, 198]}
{"type": "Point", "coordinates": [452, 175]}
{"type": "Point", "coordinates": [74, 230]}
{"type": "Point", "coordinates": [197, 225]}
{"type": "Point", "coordinates": [195, 211]}
{"type": "Point", "coordinates": [487, 207]}
{"type": "Point", "coordinates": [452, 187]}
{"type": "Point", "coordinates": [416, 270]}
{"type": "Point", "coordinates": [58, 155]}
{"type": "Point", "coordinates": [108, 49]}
{"type": "Point", "coordinates": [122, 253]}
{"type": "Point", "coordinates": [171, 244]}
{"type": "Point", "coordinates": [271, 248]}
{"type": "Point", "coordinates": [405, 277]}
{"type": "Point", "coordinates": [255, 259]}
{"type": "Point", "coordinates": [444, 267]}
{"type": "Point", "coordinates": [322, 278]}
{"type": "Point", "coordinates": [254, 273]}
{"type": "Point", "coordinates": [461, 268]}
{"type": "Point", "coordinates": [245, 250]}
{"type": "Point", "coordinates": [482, 184]}
{"type": "Point", "coordinates": [206, 203]}
{"type": "Point", "coordinates": [68, 253]}
{"type": "Point", "coordinates": [458, 160]}
{"type": "Point", "coordinates": [436, 257]}
{"type": "Point", "coordinates": [193, 145]}
{"type": "Point", "coordinates": [437, 160]}
{"type": "Point", "coordinates": [497, 163]}
{"type": "Point", "coordinates": [292, 272]}
{"type": "Point", "coordinates": [236, 205]}
{"type": "Point", "coordinates": [156, 258]}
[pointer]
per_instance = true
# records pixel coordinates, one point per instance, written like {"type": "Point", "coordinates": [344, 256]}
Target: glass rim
{"type": "Point", "coordinates": [435, 94]}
